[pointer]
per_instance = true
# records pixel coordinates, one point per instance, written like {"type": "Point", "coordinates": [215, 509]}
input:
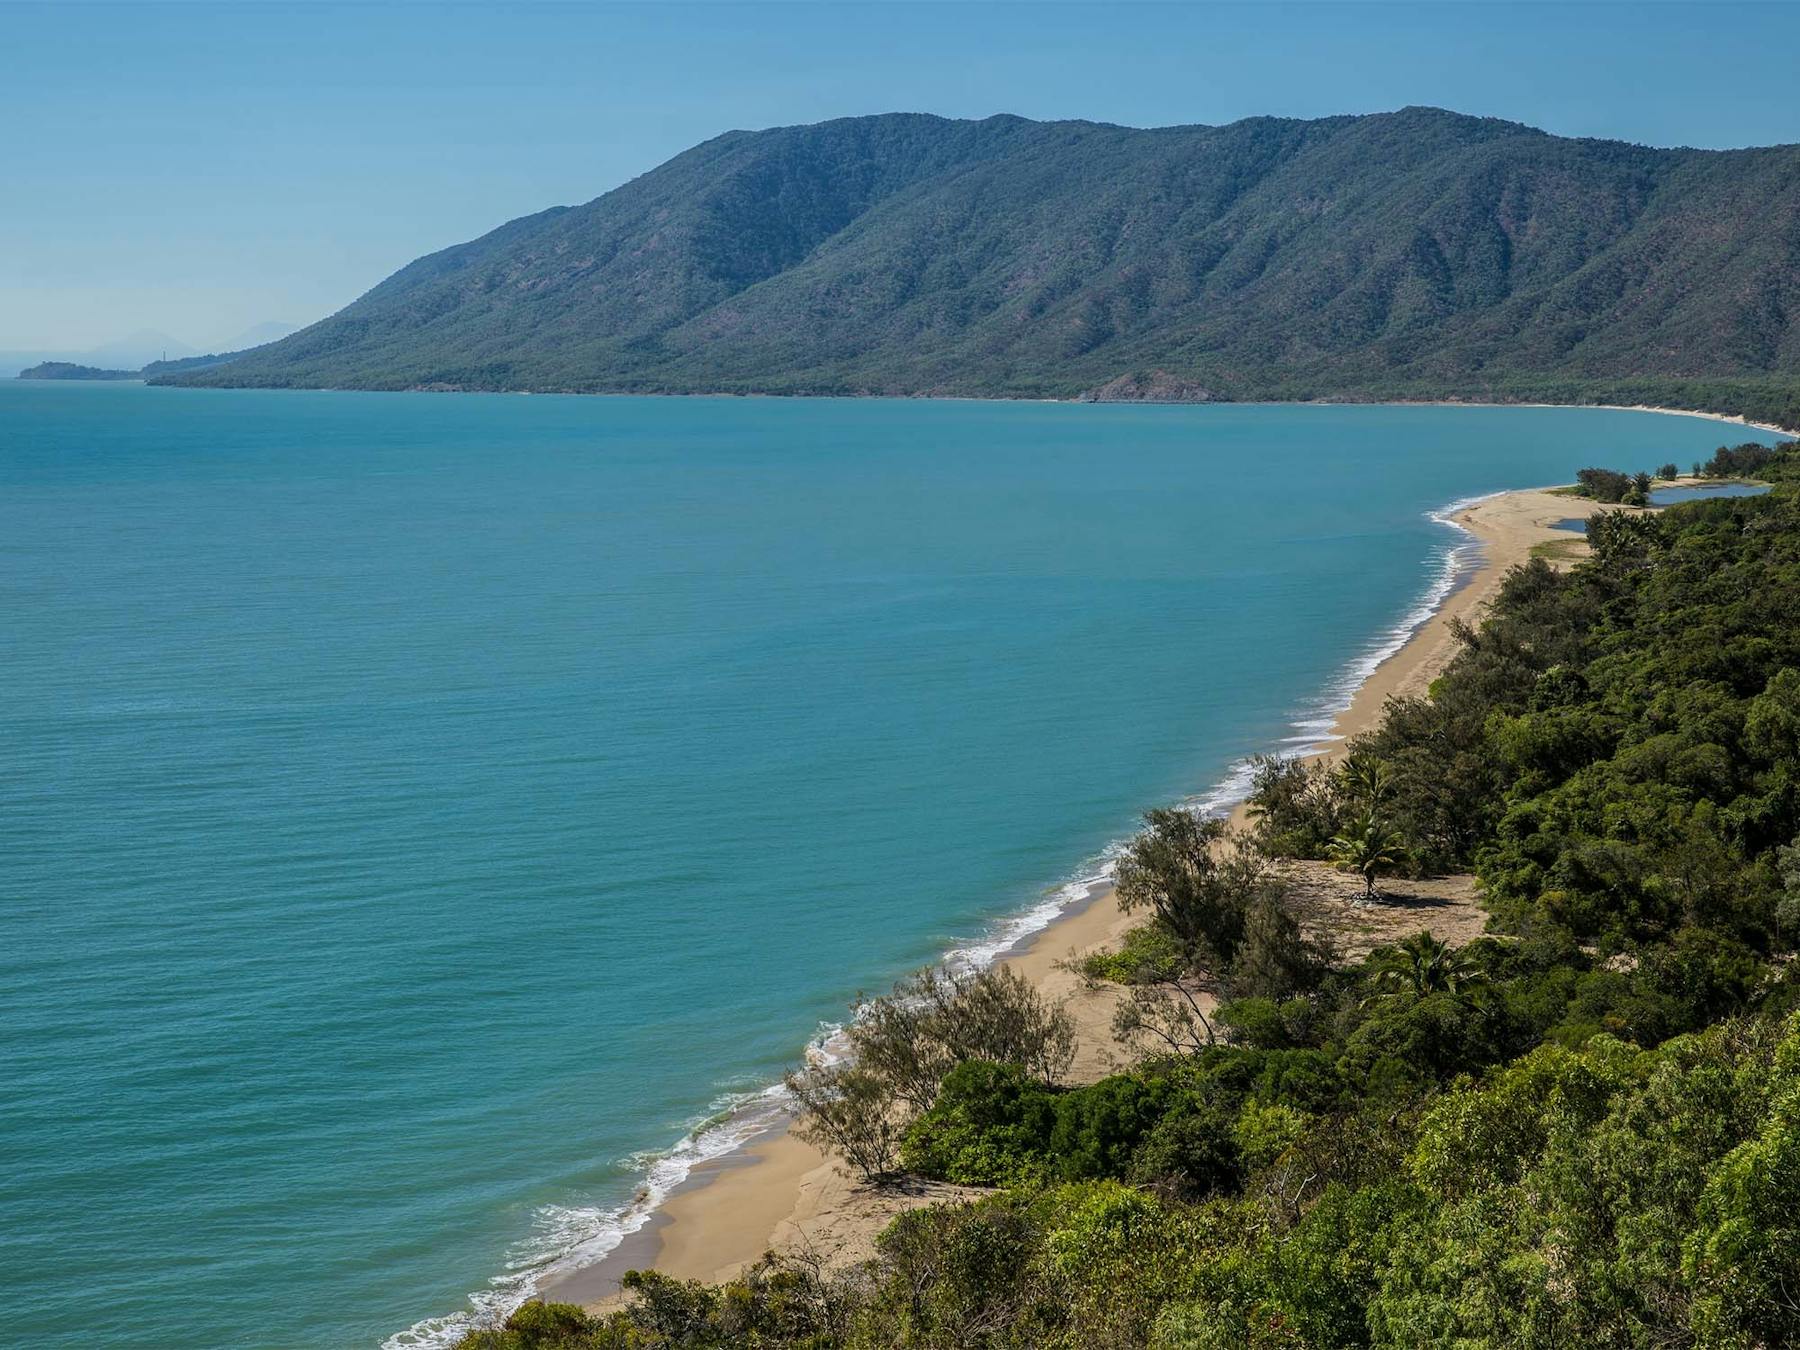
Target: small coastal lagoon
{"type": "Point", "coordinates": [421, 812]}
{"type": "Point", "coordinates": [1669, 496]}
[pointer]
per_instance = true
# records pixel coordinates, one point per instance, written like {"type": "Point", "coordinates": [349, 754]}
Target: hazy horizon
{"type": "Point", "coordinates": [143, 345]}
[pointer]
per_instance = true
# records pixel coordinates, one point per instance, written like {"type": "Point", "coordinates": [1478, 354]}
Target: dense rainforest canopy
{"type": "Point", "coordinates": [1412, 254]}
{"type": "Point", "coordinates": [1582, 1129]}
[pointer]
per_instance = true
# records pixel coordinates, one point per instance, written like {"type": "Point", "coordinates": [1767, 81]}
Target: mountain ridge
{"type": "Point", "coordinates": [1414, 253]}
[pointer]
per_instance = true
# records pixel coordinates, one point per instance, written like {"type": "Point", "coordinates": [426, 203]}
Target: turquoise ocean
{"type": "Point", "coordinates": [423, 818]}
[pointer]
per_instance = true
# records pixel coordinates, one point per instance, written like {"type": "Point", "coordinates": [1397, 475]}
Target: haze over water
{"type": "Point", "coordinates": [414, 807]}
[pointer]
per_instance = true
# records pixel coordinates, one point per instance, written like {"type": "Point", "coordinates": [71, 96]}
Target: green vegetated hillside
{"type": "Point", "coordinates": [182, 364]}
{"type": "Point", "coordinates": [1411, 253]}
{"type": "Point", "coordinates": [69, 370]}
{"type": "Point", "coordinates": [1582, 1129]}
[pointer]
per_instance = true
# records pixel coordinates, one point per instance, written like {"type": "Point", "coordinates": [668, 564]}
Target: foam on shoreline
{"type": "Point", "coordinates": [1451, 564]}
{"type": "Point", "coordinates": [569, 1239]}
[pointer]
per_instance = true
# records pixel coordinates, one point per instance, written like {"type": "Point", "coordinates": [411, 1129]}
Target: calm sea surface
{"type": "Point", "coordinates": [418, 813]}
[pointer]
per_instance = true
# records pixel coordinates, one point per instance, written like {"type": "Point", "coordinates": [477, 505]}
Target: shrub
{"type": "Point", "coordinates": [1295, 806]}
{"type": "Point", "coordinates": [1603, 485]}
{"type": "Point", "coordinates": [936, 1020]}
{"type": "Point", "coordinates": [1190, 1153]}
{"type": "Point", "coordinates": [1264, 1024]}
{"type": "Point", "coordinates": [1098, 1127]}
{"type": "Point", "coordinates": [957, 1274]}
{"type": "Point", "coordinates": [1276, 958]}
{"type": "Point", "coordinates": [1739, 461]}
{"type": "Point", "coordinates": [1149, 954]}
{"type": "Point", "coordinates": [990, 1125]}
{"type": "Point", "coordinates": [1264, 1131]}
{"type": "Point", "coordinates": [1098, 1224]}
{"type": "Point", "coordinates": [849, 1111]}
{"type": "Point", "coordinates": [903, 1046]}
{"type": "Point", "coordinates": [1196, 881]}
{"type": "Point", "coordinates": [537, 1326]}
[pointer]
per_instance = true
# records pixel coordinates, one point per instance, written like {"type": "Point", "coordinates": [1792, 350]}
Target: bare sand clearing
{"type": "Point", "coordinates": [782, 1194]}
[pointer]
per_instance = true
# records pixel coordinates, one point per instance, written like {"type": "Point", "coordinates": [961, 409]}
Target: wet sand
{"type": "Point", "coordinates": [780, 1193]}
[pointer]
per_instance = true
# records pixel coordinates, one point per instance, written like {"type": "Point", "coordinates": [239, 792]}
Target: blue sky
{"type": "Point", "coordinates": [200, 168]}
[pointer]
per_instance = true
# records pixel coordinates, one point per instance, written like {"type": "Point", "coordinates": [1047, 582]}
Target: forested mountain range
{"type": "Point", "coordinates": [1412, 254]}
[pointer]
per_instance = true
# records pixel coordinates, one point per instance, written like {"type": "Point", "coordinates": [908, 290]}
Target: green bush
{"type": "Point", "coordinates": [1100, 1126]}
{"type": "Point", "coordinates": [1603, 485]}
{"type": "Point", "coordinates": [1266, 1024]}
{"type": "Point", "coordinates": [990, 1125]}
{"type": "Point", "coordinates": [538, 1326]}
{"type": "Point", "coordinates": [1149, 953]}
{"type": "Point", "coordinates": [1191, 1152]}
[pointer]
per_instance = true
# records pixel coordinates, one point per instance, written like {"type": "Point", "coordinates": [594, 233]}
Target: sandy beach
{"type": "Point", "coordinates": [779, 1193]}
{"type": "Point", "coordinates": [1735, 419]}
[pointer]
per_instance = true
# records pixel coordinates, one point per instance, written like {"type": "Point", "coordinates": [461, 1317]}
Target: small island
{"type": "Point", "coordinates": [68, 370]}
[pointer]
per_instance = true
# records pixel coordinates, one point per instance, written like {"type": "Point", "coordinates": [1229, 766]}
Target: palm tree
{"type": "Point", "coordinates": [1422, 965]}
{"type": "Point", "coordinates": [1366, 780]}
{"type": "Point", "coordinates": [1369, 848]}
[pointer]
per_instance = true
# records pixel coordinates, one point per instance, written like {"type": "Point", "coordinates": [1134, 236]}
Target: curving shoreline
{"type": "Point", "coordinates": [774, 1191]}
{"type": "Point", "coordinates": [1734, 419]}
